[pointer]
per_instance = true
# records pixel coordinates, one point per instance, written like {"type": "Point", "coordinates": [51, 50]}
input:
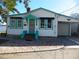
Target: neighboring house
{"type": "Point", "coordinates": [47, 23]}
{"type": "Point", "coordinates": [3, 27]}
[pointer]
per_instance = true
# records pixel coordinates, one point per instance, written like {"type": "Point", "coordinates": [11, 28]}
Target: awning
{"type": "Point", "coordinates": [31, 17]}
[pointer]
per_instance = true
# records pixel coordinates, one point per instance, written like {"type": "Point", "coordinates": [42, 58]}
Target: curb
{"type": "Point", "coordinates": [30, 51]}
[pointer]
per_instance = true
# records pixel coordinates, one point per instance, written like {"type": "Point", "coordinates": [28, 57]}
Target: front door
{"type": "Point", "coordinates": [31, 26]}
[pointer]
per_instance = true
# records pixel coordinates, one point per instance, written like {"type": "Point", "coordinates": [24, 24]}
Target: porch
{"type": "Point", "coordinates": [31, 31]}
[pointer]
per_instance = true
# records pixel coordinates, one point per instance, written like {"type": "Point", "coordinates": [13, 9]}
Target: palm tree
{"type": "Point", "coordinates": [7, 6]}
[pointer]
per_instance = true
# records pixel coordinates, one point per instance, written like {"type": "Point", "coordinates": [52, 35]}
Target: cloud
{"type": "Point", "coordinates": [72, 7]}
{"type": "Point", "coordinates": [54, 5]}
{"type": "Point", "coordinates": [61, 5]}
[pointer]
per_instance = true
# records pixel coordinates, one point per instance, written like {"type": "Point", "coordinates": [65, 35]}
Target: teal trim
{"type": "Point", "coordinates": [36, 34]}
{"type": "Point", "coordinates": [31, 17]}
{"type": "Point", "coordinates": [15, 24]}
{"type": "Point", "coordinates": [23, 34]}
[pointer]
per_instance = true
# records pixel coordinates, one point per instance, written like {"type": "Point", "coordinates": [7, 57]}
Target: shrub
{"type": "Point", "coordinates": [3, 34]}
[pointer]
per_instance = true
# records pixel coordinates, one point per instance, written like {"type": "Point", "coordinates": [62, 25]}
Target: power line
{"type": "Point", "coordinates": [74, 10]}
{"type": "Point", "coordinates": [70, 8]}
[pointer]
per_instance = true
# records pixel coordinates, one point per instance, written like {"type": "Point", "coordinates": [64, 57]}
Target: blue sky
{"type": "Point", "coordinates": [53, 5]}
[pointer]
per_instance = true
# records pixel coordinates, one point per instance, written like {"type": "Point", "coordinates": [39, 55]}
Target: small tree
{"type": "Point", "coordinates": [7, 6]}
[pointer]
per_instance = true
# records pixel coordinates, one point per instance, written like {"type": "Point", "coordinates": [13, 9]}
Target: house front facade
{"type": "Point", "coordinates": [42, 22]}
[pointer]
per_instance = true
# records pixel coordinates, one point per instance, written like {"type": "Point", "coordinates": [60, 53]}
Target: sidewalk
{"type": "Point", "coordinates": [28, 49]}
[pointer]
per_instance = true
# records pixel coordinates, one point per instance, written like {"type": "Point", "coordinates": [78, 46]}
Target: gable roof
{"type": "Point", "coordinates": [45, 10]}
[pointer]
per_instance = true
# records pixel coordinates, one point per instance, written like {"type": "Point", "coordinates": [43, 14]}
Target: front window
{"type": "Point", "coordinates": [16, 23]}
{"type": "Point", "coordinates": [42, 23]}
{"type": "Point", "coordinates": [12, 23]}
{"type": "Point", "coordinates": [19, 23]}
{"type": "Point", "coordinates": [46, 23]}
{"type": "Point", "coordinates": [49, 23]}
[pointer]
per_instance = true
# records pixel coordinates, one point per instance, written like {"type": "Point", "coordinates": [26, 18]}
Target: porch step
{"type": "Point", "coordinates": [29, 37]}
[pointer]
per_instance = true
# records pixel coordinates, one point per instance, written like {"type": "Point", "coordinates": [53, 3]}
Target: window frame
{"type": "Point", "coordinates": [15, 26]}
{"type": "Point", "coordinates": [46, 23]}
{"type": "Point", "coordinates": [42, 25]}
{"type": "Point", "coordinates": [49, 25]}
{"type": "Point", "coordinates": [19, 27]}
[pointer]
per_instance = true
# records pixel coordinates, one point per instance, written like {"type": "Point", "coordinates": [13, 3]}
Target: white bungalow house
{"type": "Point", "coordinates": [47, 23]}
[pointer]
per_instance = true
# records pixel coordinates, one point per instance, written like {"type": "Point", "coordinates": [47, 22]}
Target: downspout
{"type": "Point", "coordinates": [56, 18]}
{"type": "Point", "coordinates": [70, 28]}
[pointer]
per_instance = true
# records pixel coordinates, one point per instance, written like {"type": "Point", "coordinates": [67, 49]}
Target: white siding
{"type": "Point", "coordinates": [46, 32]}
{"type": "Point", "coordinates": [3, 28]}
{"type": "Point", "coordinates": [42, 13]}
{"type": "Point", "coordinates": [49, 32]}
{"type": "Point", "coordinates": [43, 32]}
{"type": "Point", "coordinates": [15, 31]}
{"type": "Point", "coordinates": [64, 19]}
